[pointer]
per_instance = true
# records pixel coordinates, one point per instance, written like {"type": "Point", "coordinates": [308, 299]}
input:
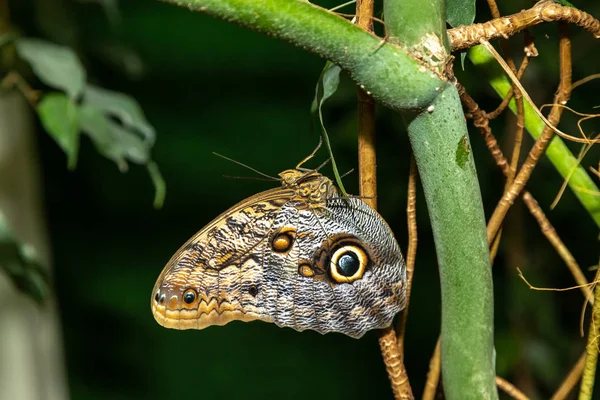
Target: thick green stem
{"type": "Point", "coordinates": [385, 71]}
{"type": "Point", "coordinates": [443, 153]}
{"type": "Point", "coordinates": [442, 150]}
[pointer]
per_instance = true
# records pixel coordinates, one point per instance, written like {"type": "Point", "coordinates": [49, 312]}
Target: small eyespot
{"type": "Point", "coordinates": [189, 296]}
{"type": "Point", "coordinates": [306, 270]}
{"type": "Point", "coordinates": [156, 297]}
{"type": "Point", "coordinates": [253, 290]}
{"type": "Point", "coordinates": [283, 240]}
{"type": "Point", "coordinates": [348, 263]}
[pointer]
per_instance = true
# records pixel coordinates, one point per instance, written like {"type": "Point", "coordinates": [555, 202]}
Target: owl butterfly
{"type": "Point", "coordinates": [301, 256]}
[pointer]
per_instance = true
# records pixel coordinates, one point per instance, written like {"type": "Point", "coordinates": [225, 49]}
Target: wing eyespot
{"type": "Point", "coordinates": [306, 270]}
{"type": "Point", "coordinates": [253, 290]}
{"type": "Point", "coordinates": [189, 296]}
{"type": "Point", "coordinates": [283, 240]}
{"type": "Point", "coordinates": [348, 263]}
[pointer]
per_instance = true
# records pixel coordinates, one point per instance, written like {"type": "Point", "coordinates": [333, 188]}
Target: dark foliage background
{"type": "Point", "coordinates": [206, 86]}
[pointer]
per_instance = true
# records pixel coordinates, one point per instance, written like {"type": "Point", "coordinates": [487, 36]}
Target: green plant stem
{"type": "Point", "coordinates": [385, 71]}
{"type": "Point", "coordinates": [441, 147]}
{"type": "Point", "coordinates": [442, 150]}
{"type": "Point", "coordinates": [558, 153]}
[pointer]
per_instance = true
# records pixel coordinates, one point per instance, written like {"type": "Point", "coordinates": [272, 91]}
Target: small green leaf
{"type": "Point", "coordinates": [112, 140]}
{"type": "Point", "coordinates": [56, 66]}
{"type": "Point", "coordinates": [60, 119]}
{"type": "Point", "coordinates": [329, 82]}
{"type": "Point", "coordinates": [460, 12]}
{"type": "Point", "coordinates": [116, 124]}
{"type": "Point", "coordinates": [124, 107]}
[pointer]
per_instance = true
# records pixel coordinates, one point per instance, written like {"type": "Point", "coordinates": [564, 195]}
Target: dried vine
{"type": "Point", "coordinates": [544, 11]}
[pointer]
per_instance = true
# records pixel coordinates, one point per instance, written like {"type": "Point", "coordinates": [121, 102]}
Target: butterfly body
{"type": "Point", "coordinates": [300, 256]}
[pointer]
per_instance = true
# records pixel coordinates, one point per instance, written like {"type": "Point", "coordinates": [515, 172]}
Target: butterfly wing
{"type": "Point", "coordinates": [329, 266]}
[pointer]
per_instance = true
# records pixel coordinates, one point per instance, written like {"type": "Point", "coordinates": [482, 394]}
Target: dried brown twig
{"type": "Point", "coordinates": [411, 253]}
{"type": "Point", "coordinates": [561, 97]}
{"type": "Point", "coordinates": [433, 376]}
{"type": "Point", "coordinates": [510, 389]}
{"type": "Point", "coordinates": [520, 125]}
{"type": "Point", "coordinates": [544, 11]}
{"type": "Point", "coordinates": [547, 229]}
{"type": "Point", "coordinates": [392, 356]}
{"type": "Point", "coordinates": [509, 95]}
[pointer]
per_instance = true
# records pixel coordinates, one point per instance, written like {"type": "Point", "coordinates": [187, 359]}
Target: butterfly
{"type": "Point", "coordinates": [301, 256]}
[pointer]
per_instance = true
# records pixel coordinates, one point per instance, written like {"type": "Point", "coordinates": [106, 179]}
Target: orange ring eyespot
{"type": "Point", "coordinates": [306, 270]}
{"type": "Point", "coordinates": [283, 240]}
{"type": "Point", "coordinates": [348, 263]}
{"type": "Point", "coordinates": [189, 296]}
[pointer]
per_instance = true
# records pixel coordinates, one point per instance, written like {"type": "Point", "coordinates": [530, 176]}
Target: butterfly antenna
{"type": "Point", "coordinates": [324, 163]}
{"type": "Point", "coordinates": [347, 173]}
{"type": "Point", "coordinates": [311, 155]}
{"type": "Point", "coordinates": [250, 178]}
{"type": "Point", "coordinates": [246, 166]}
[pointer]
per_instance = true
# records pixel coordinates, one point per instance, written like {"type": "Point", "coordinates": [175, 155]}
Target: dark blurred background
{"type": "Point", "coordinates": [209, 86]}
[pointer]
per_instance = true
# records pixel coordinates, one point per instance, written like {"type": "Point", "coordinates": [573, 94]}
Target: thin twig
{"type": "Point", "coordinates": [392, 356]}
{"type": "Point", "coordinates": [550, 233]}
{"type": "Point", "coordinates": [411, 253]}
{"type": "Point", "coordinates": [563, 187]}
{"type": "Point", "coordinates": [509, 95]}
{"type": "Point", "coordinates": [510, 389]}
{"type": "Point", "coordinates": [494, 247]}
{"type": "Point", "coordinates": [547, 229]}
{"type": "Point", "coordinates": [535, 109]}
{"type": "Point", "coordinates": [585, 80]}
{"type": "Point", "coordinates": [518, 135]}
{"type": "Point", "coordinates": [561, 97]}
{"type": "Point", "coordinates": [433, 376]}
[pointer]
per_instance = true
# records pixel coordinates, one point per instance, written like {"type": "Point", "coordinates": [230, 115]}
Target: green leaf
{"type": "Point", "coordinates": [112, 140]}
{"type": "Point", "coordinates": [326, 87]}
{"type": "Point", "coordinates": [116, 124]}
{"type": "Point", "coordinates": [60, 118]}
{"type": "Point", "coordinates": [124, 107]}
{"type": "Point", "coordinates": [56, 66]}
{"type": "Point", "coordinates": [460, 12]}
